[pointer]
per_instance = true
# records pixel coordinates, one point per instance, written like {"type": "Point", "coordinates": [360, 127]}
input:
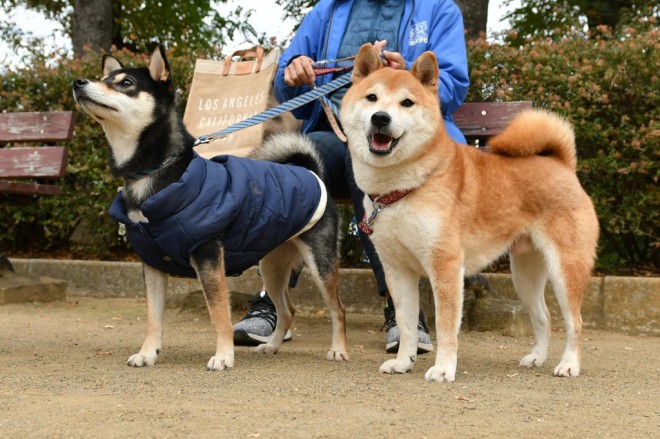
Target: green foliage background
{"type": "Point", "coordinates": [605, 84]}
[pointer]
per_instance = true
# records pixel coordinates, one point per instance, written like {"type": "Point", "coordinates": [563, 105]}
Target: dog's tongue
{"type": "Point", "coordinates": [380, 142]}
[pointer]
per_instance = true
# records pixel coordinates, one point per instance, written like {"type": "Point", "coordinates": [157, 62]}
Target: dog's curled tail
{"type": "Point", "coordinates": [537, 132]}
{"type": "Point", "coordinates": [291, 148]}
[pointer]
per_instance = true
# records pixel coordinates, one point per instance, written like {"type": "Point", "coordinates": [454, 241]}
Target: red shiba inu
{"type": "Point", "coordinates": [444, 210]}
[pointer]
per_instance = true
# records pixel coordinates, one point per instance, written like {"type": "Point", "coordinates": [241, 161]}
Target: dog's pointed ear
{"type": "Point", "coordinates": [366, 62]}
{"type": "Point", "coordinates": [159, 68]}
{"type": "Point", "coordinates": [109, 64]}
{"type": "Point", "coordinates": [426, 70]}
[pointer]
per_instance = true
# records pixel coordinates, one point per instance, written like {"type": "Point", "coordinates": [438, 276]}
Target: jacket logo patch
{"type": "Point", "coordinates": [418, 33]}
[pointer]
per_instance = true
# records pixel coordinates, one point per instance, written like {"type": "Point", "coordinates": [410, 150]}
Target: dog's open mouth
{"type": "Point", "coordinates": [381, 144]}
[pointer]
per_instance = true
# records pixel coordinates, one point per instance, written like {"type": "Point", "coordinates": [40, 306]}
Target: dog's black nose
{"type": "Point", "coordinates": [80, 82]}
{"type": "Point", "coordinates": [380, 119]}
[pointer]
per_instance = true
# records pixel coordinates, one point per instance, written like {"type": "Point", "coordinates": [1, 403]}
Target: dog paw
{"type": "Point", "coordinates": [396, 366]}
{"type": "Point", "coordinates": [441, 373]}
{"type": "Point", "coordinates": [337, 355]}
{"type": "Point", "coordinates": [219, 362]}
{"type": "Point", "coordinates": [267, 348]}
{"type": "Point", "coordinates": [532, 360]}
{"type": "Point", "coordinates": [141, 360]}
{"type": "Point", "coordinates": [567, 369]}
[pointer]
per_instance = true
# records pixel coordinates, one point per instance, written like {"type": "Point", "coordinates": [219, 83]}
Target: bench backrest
{"type": "Point", "coordinates": [480, 120]}
{"type": "Point", "coordinates": [33, 162]}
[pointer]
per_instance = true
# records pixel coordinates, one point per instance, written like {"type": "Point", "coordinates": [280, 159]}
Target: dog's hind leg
{"type": "Point", "coordinates": [276, 269]}
{"type": "Point", "coordinates": [569, 280]}
{"type": "Point", "coordinates": [529, 275]}
{"type": "Point", "coordinates": [569, 286]}
{"type": "Point", "coordinates": [320, 250]}
{"type": "Point", "coordinates": [208, 262]}
{"type": "Point", "coordinates": [324, 267]}
{"type": "Point", "coordinates": [570, 255]}
{"type": "Point", "coordinates": [156, 285]}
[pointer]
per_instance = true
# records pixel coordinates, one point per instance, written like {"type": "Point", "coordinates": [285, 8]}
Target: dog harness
{"type": "Point", "coordinates": [251, 206]}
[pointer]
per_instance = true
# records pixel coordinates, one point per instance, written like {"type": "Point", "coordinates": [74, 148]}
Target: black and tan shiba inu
{"type": "Point", "coordinates": [444, 210]}
{"type": "Point", "coordinates": [189, 216]}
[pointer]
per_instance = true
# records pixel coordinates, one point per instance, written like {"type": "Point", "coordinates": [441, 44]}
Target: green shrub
{"type": "Point", "coordinates": [606, 85]}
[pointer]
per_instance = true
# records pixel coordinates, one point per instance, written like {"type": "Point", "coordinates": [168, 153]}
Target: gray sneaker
{"type": "Point", "coordinates": [424, 344]}
{"type": "Point", "coordinates": [259, 323]}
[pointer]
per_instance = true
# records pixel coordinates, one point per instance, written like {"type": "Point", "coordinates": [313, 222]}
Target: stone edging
{"type": "Point", "coordinates": [629, 305]}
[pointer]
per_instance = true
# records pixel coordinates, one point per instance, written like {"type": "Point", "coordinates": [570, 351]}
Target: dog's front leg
{"type": "Point", "coordinates": [208, 262]}
{"type": "Point", "coordinates": [404, 289]}
{"type": "Point", "coordinates": [447, 283]}
{"type": "Point", "coordinates": [156, 285]}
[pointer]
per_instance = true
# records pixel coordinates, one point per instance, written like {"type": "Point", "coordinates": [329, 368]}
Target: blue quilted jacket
{"type": "Point", "coordinates": [252, 205]}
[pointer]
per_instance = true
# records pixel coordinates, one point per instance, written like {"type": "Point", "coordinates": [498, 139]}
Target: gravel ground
{"type": "Point", "coordinates": [63, 374]}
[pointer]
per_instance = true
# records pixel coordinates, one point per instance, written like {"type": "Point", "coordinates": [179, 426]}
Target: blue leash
{"type": "Point", "coordinates": [289, 105]}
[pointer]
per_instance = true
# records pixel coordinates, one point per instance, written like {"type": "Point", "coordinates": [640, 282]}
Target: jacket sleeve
{"type": "Point", "coordinates": [304, 42]}
{"type": "Point", "coordinates": [447, 40]}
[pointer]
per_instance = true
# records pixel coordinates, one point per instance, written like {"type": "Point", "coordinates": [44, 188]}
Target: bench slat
{"type": "Point", "coordinates": [23, 188]}
{"type": "Point", "coordinates": [52, 126]}
{"type": "Point", "coordinates": [33, 162]}
{"type": "Point", "coordinates": [485, 119]}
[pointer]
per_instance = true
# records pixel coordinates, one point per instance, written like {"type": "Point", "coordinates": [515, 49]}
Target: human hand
{"type": "Point", "coordinates": [300, 72]}
{"type": "Point", "coordinates": [394, 59]}
{"type": "Point", "coordinates": [380, 45]}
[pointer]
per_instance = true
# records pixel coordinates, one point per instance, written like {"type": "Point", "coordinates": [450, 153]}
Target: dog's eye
{"type": "Point", "coordinates": [372, 98]}
{"type": "Point", "coordinates": [126, 82]}
{"type": "Point", "coordinates": [407, 103]}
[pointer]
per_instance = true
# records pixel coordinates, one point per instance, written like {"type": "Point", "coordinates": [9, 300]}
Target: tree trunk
{"type": "Point", "coordinates": [475, 17]}
{"type": "Point", "coordinates": [92, 25]}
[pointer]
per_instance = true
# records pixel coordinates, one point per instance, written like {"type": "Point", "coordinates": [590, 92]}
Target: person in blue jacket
{"type": "Point", "coordinates": [333, 30]}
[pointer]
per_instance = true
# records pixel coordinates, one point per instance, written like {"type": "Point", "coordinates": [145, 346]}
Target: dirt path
{"type": "Point", "coordinates": [63, 374]}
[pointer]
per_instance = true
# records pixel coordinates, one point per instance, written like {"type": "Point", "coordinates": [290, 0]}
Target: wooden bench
{"type": "Point", "coordinates": [29, 170]}
{"type": "Point", "coordinates": [481, 120]}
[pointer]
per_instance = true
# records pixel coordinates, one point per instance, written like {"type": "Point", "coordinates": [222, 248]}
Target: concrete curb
{"type": "Point", "coordinates": [629, 305]}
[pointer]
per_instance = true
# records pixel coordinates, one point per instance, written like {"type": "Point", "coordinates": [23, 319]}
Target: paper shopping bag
{"type": "Point", "coordinates": [226, 92]}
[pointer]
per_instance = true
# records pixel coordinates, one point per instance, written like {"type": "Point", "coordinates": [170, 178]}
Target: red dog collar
{"type": "Point", "coordinates": [380, 202]}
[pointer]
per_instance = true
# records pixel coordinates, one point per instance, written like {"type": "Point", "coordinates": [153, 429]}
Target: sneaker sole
{"type": "Point", "coordinates": [243, 338]}
{"type": "Point", "coordinates": [422, 348]}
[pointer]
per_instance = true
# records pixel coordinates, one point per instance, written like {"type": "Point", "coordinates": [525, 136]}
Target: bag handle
{"type": "Point", "coordinates": [255, 52]}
